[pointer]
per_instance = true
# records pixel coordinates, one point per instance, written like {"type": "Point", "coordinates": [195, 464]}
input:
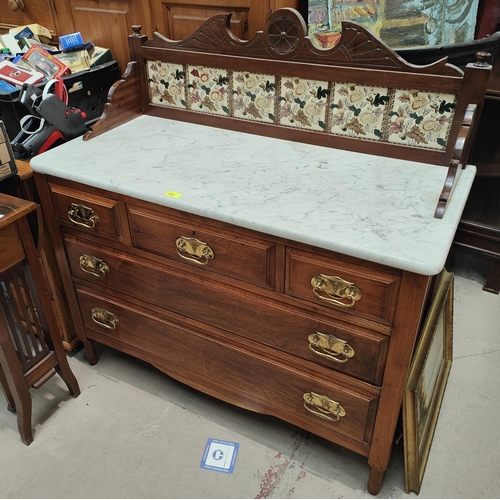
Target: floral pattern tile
{"type": "Point", "coordinates": [254, 96]}
{"type": "Point", "coordinates": [421, 119]}
{"type": "Point", "coordinates": [303, 103]}
{"type": "Point", "coordinates": [208, 90]}
{"type": "Point", "coordinates": [166, 83]}
{"type": "Point", "coordinates": [397, 116]}
{"type": "Point", "coordinates": [358, 110]}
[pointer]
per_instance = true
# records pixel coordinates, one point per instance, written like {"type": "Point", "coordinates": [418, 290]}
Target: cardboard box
{"type": "Point", "coordinates": [71, 41]}
{"type": "Point", "coordinates": [26, 43]}
{"type": "Point", "coordinates": [79, 60]}
{"type": "Point", "coordinates": [17, 75]}
{"type": "Point", "coordinates": [7, 162]}
{"type": "Point", "coordinates": [46, 63]}
{"type": "Point", "coordinates": [40, 33]}
{"type": "Point", "coordinates": [9, 42]}
{"type": "Point", "coordinates": [99, 55]}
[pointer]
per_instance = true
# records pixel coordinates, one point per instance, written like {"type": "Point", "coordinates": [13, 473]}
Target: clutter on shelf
{"type": "Point", "coordinates": [51, 90]}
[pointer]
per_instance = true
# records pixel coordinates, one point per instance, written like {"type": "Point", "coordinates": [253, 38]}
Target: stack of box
{"type": "Point", "coordinates": [28, 55]}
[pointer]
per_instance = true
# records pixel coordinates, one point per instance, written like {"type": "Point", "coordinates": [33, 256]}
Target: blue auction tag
{"type": "Point", "coordinates": [219, 455]}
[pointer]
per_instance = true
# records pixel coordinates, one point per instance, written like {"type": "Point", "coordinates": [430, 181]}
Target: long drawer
{"type": "Point", "coordinates": [327, 406]}
{"type": "Point", "coordinates": [337, 345]}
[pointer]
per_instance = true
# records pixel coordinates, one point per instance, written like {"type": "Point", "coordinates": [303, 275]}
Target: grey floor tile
{"type": "Point", "coordinates": [136, 433]}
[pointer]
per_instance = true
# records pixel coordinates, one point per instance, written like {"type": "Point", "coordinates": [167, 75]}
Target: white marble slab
{"type": "Point", "coordinates": [371, 207]}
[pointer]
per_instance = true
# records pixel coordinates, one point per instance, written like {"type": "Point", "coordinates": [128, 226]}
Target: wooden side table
{"type": "Point", "coordinates": [31, 349]}
{"type": "Point", "coordinates": [23, 186]}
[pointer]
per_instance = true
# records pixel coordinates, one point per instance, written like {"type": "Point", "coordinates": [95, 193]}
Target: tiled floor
{"type": "Point", "coordinates": [136, 433]}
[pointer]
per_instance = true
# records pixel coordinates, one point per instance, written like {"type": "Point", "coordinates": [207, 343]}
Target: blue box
{"type": "Point", "coordinates": [71, 41]}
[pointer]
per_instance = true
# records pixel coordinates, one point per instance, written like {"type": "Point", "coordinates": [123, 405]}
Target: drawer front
{"type": "Point", "coordinates": [89, 213]}
{"type": "Point", "coordinates": [210, 363]}
{"type": "Point", "coordinates": [341, 347]}
{"type": "Point", "coordinates": [339, 285]}
{"type": "Point", "coordinates": [248, 259]}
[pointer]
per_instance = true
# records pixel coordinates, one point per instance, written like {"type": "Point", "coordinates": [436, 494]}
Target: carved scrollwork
{"type": "Point", "coordinates": [285, 37]}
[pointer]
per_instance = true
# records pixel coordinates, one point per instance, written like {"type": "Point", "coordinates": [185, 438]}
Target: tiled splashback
{"type": "Point", "coordinates": [411, 117]}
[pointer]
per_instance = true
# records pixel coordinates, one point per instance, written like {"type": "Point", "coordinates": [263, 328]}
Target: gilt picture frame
{"type": "Point", "coordinates": [426, 382]}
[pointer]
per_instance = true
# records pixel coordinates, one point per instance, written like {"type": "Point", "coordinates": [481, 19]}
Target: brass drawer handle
{"type": "Point", "coordinates": [339, 292]}
{"type": "Point", "coordinates": [323, 407]}
{"type": "Point", "coordinates": [329, 346]}
{"type": "Point", "coordinates": [94, 266]}
{"type": "Point", "coordinates": [82, 216]}
{"type": "Point", "coordinates": [104, 318]}
{"type": "Point", "coordinates": [196, 250]}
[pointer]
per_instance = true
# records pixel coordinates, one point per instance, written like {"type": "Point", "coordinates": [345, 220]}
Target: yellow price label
{"type": "Point", "coordinates": [173, 194]}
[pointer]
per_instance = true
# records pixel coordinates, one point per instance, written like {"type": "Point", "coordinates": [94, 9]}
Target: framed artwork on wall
{"type": "Point", "coordinates": [426, 382]}
{"type": "Point", "coordinates": [399, 23]}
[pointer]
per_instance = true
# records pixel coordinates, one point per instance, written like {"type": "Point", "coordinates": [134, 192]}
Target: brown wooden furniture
{"type": "Point", "coordinates": [30, 349]}
{"type": "Point", "coordinates": [23, 186]}
{"type": "Point", "coordinates": [478, 233]}
{"type": "Point", "coordinates": [173, 18]}
{"type": "Point", "coordinates": [315, 337]}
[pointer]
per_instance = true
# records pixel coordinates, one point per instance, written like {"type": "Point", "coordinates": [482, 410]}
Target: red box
{"type": "Point", "coordinates": [42, 61]}
{"type": "Point", "coordinates": [17, 75]}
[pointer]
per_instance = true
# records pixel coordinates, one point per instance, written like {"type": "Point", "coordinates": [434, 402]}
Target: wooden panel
{"type": "Point", "coordinates": [108, 24]}
{"type": "Point", "coordinates": [110, 213]}
{"type": "Point", "coordinates": [178, 20]}
{"type": "Point", "coordinates": [11, 247]}
{"type": "Point", "coordinates": [234, 255]}
{"type": "Point", "coordinates": [379, 288]}
{"type": "Point", "coordinates": [33, 11]}
{"type": "Point", "coordinates": [273, 387]}
{"type": "Point", "coordinates": [256, 318]}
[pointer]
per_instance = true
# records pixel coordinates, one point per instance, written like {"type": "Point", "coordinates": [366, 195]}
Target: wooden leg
{"type": "Point", "coordinates": [67, 375]}
{"type": "Point", "coordinates": [19, 389]}
{"type": "Point", "coordinates": [375, 481]}
{"type": "Point", "coordinates": [23, 410]}
{"type": "Point", "coordinates": [493, 277]}
{"type": "Point", "coordinates": [91, 352]}
{"type": "Point", "coordinates": [11, 405]}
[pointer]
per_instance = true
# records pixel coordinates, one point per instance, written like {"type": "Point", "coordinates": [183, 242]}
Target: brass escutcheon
{"type": "Point", "coordinates": [323, 406]}
{"type": "Point", "coordinates": [339, 291]}
{"type": "Point", "coordinates": [92, 265]}
{"type": "Point", "coordinates": [330, 347]}
{"type": "Point", "coordinates": [104, 318]}
{"type": "Point", "coordinates": [82, 216]}
{"type": "Point", "coordinates": [197, 251]}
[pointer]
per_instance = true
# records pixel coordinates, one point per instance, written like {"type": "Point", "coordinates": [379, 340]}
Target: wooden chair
{"type": "Point", "coordinates": [31, 349]}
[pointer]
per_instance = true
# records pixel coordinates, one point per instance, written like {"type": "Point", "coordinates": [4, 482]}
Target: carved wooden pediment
{"type": "Point", "coordinates": [285, 38]}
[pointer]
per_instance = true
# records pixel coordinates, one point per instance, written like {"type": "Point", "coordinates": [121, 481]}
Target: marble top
{"type": "Point", "coordinates": [375, 208]}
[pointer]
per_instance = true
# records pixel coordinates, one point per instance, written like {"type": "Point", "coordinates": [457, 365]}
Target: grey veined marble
{"type": "Point", "coordinates": [375, 208]}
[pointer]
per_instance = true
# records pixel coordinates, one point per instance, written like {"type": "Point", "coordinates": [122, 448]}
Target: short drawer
{"type": "Point", "coordinates": [237, 372]}
{"type": "Point", "coordinates": [334, 284]}
{"type": "Point", "coordinates": [89, 213]}
{"type": "Point", "coordinates": [248, 259]}
{"type": "Point", "coordinates": [339, 346]}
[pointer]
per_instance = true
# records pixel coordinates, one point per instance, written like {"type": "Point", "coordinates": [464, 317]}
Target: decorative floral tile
{"type": "Point", "coordinates": [253, 96]}
{"type": "Point", "coordinates": [421, 119]}
{"type": "Point", "coordinates": [166, 83]}
{"type": "Point", "coordinates": [358, 110]}
{"type": "Point", "coordinates": [303, 103]}
{"type": "Point", "coordinates": [208, 90]}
